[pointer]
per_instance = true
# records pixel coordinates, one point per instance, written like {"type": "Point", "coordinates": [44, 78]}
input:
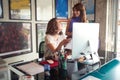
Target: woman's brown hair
{"type": "Point", "coordinates": [80, 7]}
{"type": "Point", "coordinates": [52, 27]}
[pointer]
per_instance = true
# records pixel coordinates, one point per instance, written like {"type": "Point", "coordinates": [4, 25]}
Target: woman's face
{"type": "Point", "coordinates": [76, 13]}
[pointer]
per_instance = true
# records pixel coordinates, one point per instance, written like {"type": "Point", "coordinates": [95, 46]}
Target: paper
{"type": "Point", "coordinates": [91, 78]}
{"type": "Point", "coordinates": [31, 68]}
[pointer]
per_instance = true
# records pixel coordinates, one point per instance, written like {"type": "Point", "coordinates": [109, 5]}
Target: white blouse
{"type": "Point", "coordinates": [51, 39]}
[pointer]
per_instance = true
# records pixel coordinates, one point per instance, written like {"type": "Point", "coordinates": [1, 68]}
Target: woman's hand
{"type": "Point", "coordinates": [81, 59]}
{"type": "Point", "coordinates": [65, 41]}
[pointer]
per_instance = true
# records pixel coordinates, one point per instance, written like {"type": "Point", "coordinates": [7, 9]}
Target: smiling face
{"type": "Point", "coordinates": [76, 13]}
{"type": "Point", "coordinates": [79, 10]}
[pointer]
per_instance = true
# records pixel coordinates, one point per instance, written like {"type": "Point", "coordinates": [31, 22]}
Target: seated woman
{"type": "Point", "coordinates": [55, 42]}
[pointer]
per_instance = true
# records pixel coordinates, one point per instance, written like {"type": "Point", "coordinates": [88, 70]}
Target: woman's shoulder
{"type": "Point", "coordinates": [70, 20]}
{"type": "Point", "coordinates": [48, 38]}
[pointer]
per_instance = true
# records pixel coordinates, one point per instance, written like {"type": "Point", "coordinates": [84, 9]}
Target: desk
{"type": "Point", "coordinates": [27, 69]}
{"type": "Point", "coordinates": [109, 71]}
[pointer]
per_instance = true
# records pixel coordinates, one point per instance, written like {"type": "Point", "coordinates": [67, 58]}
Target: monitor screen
{"type": "Point", "coordinates": [85, 38]}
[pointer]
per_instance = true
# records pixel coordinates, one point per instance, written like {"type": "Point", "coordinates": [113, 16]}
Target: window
{"type": "Point", "coordinates": [111, 30]}
{"type": "Point", "coordinates": [118, 30]}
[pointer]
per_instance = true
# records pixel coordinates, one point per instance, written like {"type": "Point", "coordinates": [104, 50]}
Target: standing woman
{"type": "Point", "coordinates": [55, 42]}
{"type": "Point", "coordinates": [79, 15]}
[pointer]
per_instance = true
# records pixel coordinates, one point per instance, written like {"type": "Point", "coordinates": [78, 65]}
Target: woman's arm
{"type": "Point", "coordinates": [67, 29]}
{"type": "Point", "coordinates": [62, 43]}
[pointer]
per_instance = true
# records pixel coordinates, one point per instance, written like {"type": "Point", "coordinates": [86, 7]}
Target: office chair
{"type": "Point", "coordinates": [41, 49]}
{"type": "Point", "coordinates": [41, 55]}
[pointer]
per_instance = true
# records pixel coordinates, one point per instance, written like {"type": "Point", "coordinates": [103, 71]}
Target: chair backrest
{"type": "Point", "coordinates": [41, 49]}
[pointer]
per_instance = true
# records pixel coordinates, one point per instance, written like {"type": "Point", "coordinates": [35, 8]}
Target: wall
{"type": "Point", "coordinates": [101, 8]}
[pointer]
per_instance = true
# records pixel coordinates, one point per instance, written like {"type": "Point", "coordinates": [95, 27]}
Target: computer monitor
{"type": "Point", "coordinates": [85, 39]}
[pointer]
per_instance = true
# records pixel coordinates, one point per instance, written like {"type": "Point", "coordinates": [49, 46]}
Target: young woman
{"type": "Point", "coordinates": [54, 39]}
{"type": "Point", "coordinates": [79, 15]}
{"type": "Point", "coordinates": [55, 42]}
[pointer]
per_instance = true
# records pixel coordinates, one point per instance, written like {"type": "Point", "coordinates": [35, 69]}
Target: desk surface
{"type": "Point", "coordinates": [109, 71]}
